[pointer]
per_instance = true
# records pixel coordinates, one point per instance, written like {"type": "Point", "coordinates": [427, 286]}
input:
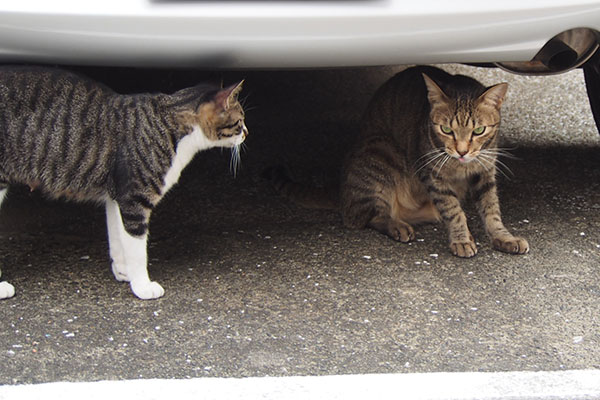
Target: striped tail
{"type": "Point", "coordinates": [303, 195]}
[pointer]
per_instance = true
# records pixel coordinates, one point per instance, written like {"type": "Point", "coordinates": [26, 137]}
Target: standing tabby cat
{"type": "Point", "coordinates": [71, 137]}
{"type": "Point", "coordinates": [428, 138]}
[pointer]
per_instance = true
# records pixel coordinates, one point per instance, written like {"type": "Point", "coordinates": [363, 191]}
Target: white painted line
{"type": "Point", "coordinates": [571, 385]}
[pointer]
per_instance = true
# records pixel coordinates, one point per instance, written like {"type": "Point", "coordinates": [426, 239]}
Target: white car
{"type": "Point", "coordinates": [532, 37]}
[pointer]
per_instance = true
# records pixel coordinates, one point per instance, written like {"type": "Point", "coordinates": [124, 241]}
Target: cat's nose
{"type": "Point", "coordinates": [462, 147]}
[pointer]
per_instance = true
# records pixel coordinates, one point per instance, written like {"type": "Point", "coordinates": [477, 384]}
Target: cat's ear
{"type": "Point", "coordinates": [227, 97]}
{"type": "Point", "coordinates": [434, 93]}
{"type": "Point", "coordinates": [494, 95]}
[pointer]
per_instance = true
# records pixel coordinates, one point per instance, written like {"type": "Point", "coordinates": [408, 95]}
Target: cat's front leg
{"type": "Point", "coordinates": [488, 205]}
{"type": "Point", "coordinates": [137, 271]}
{"type": "Point", "coordinates": [448, 205]}
{"type": "Point", "coordinates": [462, 243]}
{"type": "Point", "coordinates": [129, 233]}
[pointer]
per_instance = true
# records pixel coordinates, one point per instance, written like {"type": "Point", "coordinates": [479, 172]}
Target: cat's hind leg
{"type": "Point", "coordinates": [117, 252]}
{"type": "Point", "coordinates": [398, 230]}
{"type": "Point", "coordinates": [6, 289]}
{"type": "Point", "coordinates": [374, 210]}
{"type": "Point", "coordinates": [368, 195]}
{"type": "Point", "coordinates": [128, 231]}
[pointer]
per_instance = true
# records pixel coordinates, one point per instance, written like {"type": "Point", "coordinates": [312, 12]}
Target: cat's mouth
{"type": "Point", "coordinates": [464, 159]}
{"type": "Point", "coordinates": [239, 138]}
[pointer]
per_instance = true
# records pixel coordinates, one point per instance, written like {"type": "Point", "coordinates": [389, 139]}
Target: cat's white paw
{"type": "Point", "coordinates": [120, 272]}
{"type": "Point", "coordinates": [6, 290]}
{"type": "Point", "coordinates": [147, 290]}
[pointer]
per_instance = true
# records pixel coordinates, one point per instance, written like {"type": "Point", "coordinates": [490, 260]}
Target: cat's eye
{"type": "Point", "coordinates": [479, 130]}
{"type": "Point", "coordinates": [234, 125]}
{"type": "Point", "coordinates": [446, 129]}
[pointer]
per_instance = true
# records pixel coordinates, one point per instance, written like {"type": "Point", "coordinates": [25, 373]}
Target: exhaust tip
{"type": "Point", "coordinates": [557, 55]}
{"type": "Point", "coordinates": [565, 51]}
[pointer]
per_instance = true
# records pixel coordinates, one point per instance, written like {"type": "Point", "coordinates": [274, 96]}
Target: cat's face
{"type": "Point", "coordinates": [467, 126]}
{"type": "Point", "coordinates": [221, 119]}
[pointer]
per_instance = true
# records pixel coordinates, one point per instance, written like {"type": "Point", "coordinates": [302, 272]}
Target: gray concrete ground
{"type": "Point", "coordinates": [256, 286]}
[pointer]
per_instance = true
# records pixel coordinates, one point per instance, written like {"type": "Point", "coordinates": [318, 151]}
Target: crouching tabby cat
{"type": "Point", "coordinates": [427, 139]}
{"type": "Point", "coordinates": [73, 138]}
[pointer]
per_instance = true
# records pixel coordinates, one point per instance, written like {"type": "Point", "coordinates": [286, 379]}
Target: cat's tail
{"type": "Point", "coordinates": [304, 195]}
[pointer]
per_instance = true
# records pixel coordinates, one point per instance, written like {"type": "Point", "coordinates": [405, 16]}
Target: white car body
{"type": "Point", "coordinates": [284, 34]}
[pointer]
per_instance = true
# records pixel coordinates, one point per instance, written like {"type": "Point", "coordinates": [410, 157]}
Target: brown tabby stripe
{"type": "Point", "coordinates": [480, 191]}
{"type": "Point", "coordinates": [135, 229]}
{"type": "Point", "coordinates": [141, 200]}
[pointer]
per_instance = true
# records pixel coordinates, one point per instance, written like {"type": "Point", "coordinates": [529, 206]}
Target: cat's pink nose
{"type": "Point", "coordinates": [462, 147]}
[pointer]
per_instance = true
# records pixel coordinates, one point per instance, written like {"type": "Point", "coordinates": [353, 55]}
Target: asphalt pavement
{"type": "Point", "coordinates": [256, 286]}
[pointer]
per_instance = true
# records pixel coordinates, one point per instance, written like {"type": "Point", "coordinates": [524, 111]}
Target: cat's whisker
{"type": "Point", "coordinates": [486, 157]}
{"type": "Point", "coordinates": [504, 174]}
{"type": "Point", "coordinates": [438, 163]}
{"type": "Point", "coordinates": [236, 159]}
{"type": "Point", "coordinates": [431, 159]}
{"type": "Point", "coordinates": [502, 164]}
{"type": "Point", "coordinates": [436, 151]}
{"type": "Point", "coordinates": [448, 157]}
{"type": "Point", "coordinates": [494, 160]}
{"type": "Point", "coordinates": [491, 153]}
{"type": "Point", "coordinates": [501, 167]}
{"type": "Point", "coordinates": [433, 156]}
{"type": "Point", "coordinates": [426, 164]}
{"type": "Point", "coordinates": [251, 108]}
{"type": "Point", "coordinates": [499, 152]}
{"type": "Point", "coordinates": [487, 162]}
{"type": "Point", "coordinates": [507, 149]}
{"type": "Point", "coordinates": [504, 170]}
{"type": "Point", "coordinates": [445, 160]}
{"type": "Point", "coordinates": [244, 103]}
{"type": "Point", "coordinates": [481, 162]}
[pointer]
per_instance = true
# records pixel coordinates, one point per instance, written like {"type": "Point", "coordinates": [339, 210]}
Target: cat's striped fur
{"type": "Point", "coordinates": [428, 139]}
{"type": "Point", "coordinates": [71, 137]}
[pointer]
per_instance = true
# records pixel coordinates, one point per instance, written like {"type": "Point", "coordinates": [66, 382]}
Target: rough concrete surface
{"type": "Point", "coordinates": [256, 286]}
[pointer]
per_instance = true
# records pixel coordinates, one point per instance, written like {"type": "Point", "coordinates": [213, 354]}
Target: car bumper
{"type": "Point", "coordinates": [283, 34]}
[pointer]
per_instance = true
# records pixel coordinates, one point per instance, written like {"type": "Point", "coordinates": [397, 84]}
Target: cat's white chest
{"type": "Point", "coordinates": [186, 149]}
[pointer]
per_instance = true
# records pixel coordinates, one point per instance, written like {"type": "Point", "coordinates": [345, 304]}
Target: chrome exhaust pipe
{"type": "Point", "coordinates": [557, 55]}
{"type": "Point", "coordinates": [565, 51]}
